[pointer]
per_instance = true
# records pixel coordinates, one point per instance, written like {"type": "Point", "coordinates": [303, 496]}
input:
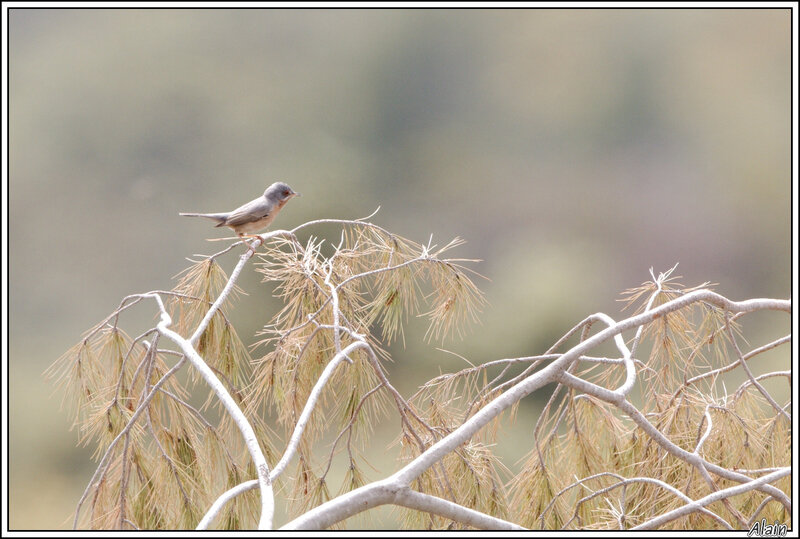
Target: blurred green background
{"type": "Point", "coordinates": [572, 149]}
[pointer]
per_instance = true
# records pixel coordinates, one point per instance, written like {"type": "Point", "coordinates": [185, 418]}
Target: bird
{"type": "Point", "coordinates": [254, 216]}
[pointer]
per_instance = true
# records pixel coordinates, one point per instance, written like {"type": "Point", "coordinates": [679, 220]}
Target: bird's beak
{"type": "Point", "coordinates": [297, 194]}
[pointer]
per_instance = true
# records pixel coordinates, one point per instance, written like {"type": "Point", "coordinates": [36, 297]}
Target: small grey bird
{"type": "Point", "coordinates": [254, 216]}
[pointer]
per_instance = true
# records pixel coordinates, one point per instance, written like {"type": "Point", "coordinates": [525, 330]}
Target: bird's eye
{"type": "Point", "coordinates": [286, 193]}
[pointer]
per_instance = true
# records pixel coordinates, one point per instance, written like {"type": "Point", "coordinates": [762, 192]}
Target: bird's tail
{"type": "Point", "coordinates": [218, 217]}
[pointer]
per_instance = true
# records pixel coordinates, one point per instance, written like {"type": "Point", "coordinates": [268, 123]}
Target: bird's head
{"type": "Point", "coordinates": [280, 193]}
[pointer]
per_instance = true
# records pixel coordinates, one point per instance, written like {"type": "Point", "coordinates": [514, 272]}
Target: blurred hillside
{"type": "Point", "coordinates": [572, 149]}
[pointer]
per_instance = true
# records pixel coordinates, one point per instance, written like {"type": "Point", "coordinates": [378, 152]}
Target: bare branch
{"type": "Point", "coordinates": [718, 495]}
{"type": "Point", "coordinates": [250, 439]}
{"type": "Point", "coordinates": [391, 491]}
{"type": "Point", "coordinates": [349, 504]}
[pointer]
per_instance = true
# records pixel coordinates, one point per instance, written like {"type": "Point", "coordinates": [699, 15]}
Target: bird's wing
{"type": "Point", "coordinates": [252, 211]}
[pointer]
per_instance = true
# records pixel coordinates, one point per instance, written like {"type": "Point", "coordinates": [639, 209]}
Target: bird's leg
{"type": "Point", "coordinates": [249, 247]}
